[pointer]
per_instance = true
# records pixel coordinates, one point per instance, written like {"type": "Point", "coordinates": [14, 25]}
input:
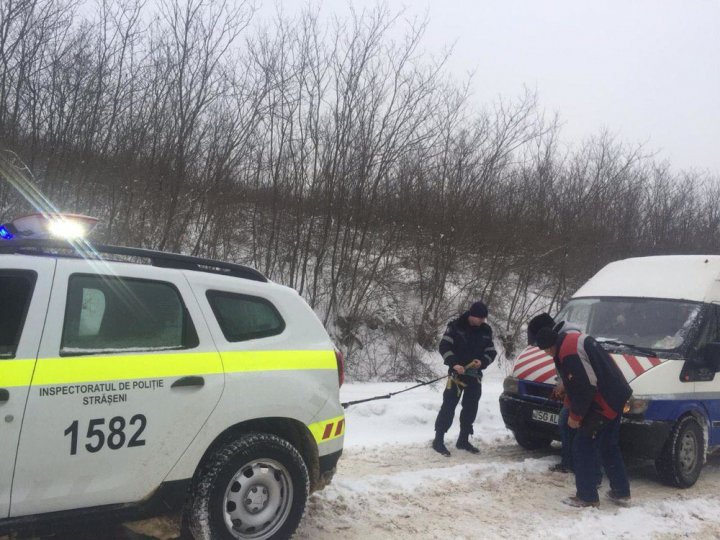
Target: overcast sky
{"type": "Point", "coordinates": [647, 70]}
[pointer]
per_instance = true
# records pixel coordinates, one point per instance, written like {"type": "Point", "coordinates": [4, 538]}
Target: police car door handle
{"type": "Point", "coordinates": [4, 395]}
{"type": "Point", "coordinates": [188, 381]}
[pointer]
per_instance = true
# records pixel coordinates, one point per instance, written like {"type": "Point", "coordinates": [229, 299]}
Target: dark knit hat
{"type": "Point", "coordinates": [544, 320]}
{"type": "Point", "coordinates": [546, 338]}
{"type": "Point", "coordinates": [478, 309]}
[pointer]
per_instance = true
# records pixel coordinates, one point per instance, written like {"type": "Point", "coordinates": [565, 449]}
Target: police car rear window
{"type": "Point", "coordinates": [16, 289]}
{"type": "Point", "coordinates": [242, 317]}
{"type": "Point", "coordinates": [111, 314]}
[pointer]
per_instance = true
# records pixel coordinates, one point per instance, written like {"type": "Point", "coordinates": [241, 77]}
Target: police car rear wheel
{"type": "Point", "coordinates": [682, 458]}
{"type": "Point", "coordinates": [254, 488]}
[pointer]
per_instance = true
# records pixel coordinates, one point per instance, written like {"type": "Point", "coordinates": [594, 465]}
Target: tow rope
{"type": "Point", "coordinates": [391, 394]}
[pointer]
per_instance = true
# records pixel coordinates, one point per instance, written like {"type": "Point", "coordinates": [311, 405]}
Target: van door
{"type": "Point", "coordinates": [707, 391]}
{"type": "Point", "coordinates": [25, 284]}
{"type": "Point", "coordinates": [126, 376]}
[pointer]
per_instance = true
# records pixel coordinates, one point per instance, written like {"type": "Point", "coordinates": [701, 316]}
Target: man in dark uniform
{"type": "Point", "coordinates": [467, 348]}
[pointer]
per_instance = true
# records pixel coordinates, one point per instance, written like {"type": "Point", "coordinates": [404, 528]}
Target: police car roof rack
{"type": "Point", "coordinates": [157, 258]}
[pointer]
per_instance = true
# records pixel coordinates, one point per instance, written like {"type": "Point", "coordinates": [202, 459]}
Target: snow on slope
{"type": "Point", "coordinates": [390, 484]}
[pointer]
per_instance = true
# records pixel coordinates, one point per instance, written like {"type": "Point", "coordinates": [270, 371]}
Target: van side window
{"type": "Point", "coordinates": [242, 317]}
{"type": "Point", "coordinates": [710, 330]}
{"type": "Point", "coordinates": [111, 314]}
{"type": "Point", "coordinates": [16, 288]}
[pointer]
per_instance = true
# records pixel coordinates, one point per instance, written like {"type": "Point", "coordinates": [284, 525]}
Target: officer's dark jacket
{"type": "Point", "coordinates": [462, 343]}
{"type": "Point", "coordinates": [592, 380]}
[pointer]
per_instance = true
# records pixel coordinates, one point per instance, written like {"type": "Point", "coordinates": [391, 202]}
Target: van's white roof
{"type": "Point", "coordinates": [680, 277]}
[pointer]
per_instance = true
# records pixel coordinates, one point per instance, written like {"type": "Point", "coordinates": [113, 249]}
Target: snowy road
{"type": "Point", "coordinates": [411, 492]}
{"type": "Point", "coordinates": [390, 483]}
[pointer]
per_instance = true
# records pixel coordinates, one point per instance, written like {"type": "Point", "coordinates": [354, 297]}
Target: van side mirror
{"type": "Point", "coordinates": [711, 356]}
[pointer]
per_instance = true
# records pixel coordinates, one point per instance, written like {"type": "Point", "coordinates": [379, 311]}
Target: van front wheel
{"type": "Point", "coordinates": [684, 453]}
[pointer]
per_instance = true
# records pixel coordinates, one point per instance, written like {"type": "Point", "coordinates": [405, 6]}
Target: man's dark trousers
{"type": "Point", "coordinates": [567, 436]}
{"type": "Point", "coordinates": [605, 446]}
{"type": "Point", "coordinates": [470, 398]}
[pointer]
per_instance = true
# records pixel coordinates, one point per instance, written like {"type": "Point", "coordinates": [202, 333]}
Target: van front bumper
{"type": "Point", "coordinates": [638, 438]}
{"type": "Point", "coordinates": [644, 438]}
{"type": "Point", "coordinates": [517, 415]}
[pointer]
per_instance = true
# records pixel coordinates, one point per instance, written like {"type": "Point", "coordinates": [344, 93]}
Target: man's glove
{"type": "Point", "coordinates": [558, 393]}
{"type": "Point", "coordinates": [473, 369]}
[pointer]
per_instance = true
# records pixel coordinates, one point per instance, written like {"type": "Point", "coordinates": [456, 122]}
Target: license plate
{"type": "Point", "coordinates": [544, 416]}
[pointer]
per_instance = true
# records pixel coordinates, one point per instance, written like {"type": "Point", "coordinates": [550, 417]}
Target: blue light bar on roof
{"type": "Point", "coordinates": [5, 234]}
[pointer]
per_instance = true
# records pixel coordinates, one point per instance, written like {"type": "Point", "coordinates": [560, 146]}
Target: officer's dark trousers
{"type": "Point", "coordinates": [470, 398]}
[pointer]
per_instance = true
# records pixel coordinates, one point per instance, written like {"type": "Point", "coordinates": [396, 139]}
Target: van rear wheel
{"type": "Point", "coordinates": [683, 455]}
{"type": "Point", "coordinates": [254, 488]}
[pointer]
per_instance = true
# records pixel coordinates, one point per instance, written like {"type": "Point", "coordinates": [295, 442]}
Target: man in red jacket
{"type": "Point", "coordinates": [597, 392]}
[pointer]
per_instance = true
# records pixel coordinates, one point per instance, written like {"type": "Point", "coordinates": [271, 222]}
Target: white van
{"type": "Point", "coordinates": [659, 318]}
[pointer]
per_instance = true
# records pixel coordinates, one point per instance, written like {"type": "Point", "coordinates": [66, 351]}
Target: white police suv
{"type": "Point", "coordinates": [129, 389]}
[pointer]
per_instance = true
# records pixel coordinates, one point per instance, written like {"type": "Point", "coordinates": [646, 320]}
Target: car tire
{"type": "Point", "coordinates": [531, 442]}
{"type": "Point", "coordinates": [255, 488]}
{"type": "Point", "coordinates": [683, 456]}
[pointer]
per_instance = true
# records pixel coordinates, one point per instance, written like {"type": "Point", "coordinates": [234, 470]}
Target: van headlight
{"type": "Point", "coordinates": [511, 385]}
{"type": "Point", "coordinates": [636, 406]}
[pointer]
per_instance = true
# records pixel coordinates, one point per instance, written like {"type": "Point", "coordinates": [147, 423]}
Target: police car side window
{"type": "Point", "coordinates": [16, 288]}
{"type": "Point", "coordinates": [242, 317]}
{"type": "Point", "coordinates": [111, 314]}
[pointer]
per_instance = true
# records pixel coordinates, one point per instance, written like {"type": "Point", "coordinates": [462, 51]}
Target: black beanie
{"type": "Point", "coordinates": [478, 309]}
{"type": "Point", "coordinates": [546, 338]}
{"type": "Point", "coordinates": [543, 320]}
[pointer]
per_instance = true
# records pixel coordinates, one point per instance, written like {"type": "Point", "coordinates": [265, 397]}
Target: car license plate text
{"type": "Point", "coordinates": [545, 416]}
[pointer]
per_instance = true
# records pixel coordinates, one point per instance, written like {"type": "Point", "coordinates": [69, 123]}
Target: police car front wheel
{"type": "Point", "coordinates": [252, 488]}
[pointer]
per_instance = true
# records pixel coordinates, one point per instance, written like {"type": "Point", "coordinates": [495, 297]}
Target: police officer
{"type": "Point", "coordinates": [467, 348]}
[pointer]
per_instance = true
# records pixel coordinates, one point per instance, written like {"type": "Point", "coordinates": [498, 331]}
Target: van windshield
{"type": "Point", "coordinates": [644, 322]}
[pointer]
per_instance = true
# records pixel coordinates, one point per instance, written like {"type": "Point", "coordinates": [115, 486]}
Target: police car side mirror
{"type": "Point", "coordinates": [711, 356]}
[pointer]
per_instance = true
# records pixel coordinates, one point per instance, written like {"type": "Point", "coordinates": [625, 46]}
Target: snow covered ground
{"type": "Point", "coordinates": [390, 484]}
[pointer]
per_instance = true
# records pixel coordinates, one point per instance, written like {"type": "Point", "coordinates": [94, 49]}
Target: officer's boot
{"type": "Point", "coordinates": [439, 444]}
{"type": "Point", "coordinates": [464, 444]}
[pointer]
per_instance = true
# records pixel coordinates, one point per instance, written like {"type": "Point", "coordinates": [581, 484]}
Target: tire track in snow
{"type": "Point", "coordinates": [360, 462]}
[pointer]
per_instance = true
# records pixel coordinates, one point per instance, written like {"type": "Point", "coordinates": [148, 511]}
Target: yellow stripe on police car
{"type": "Point", "coordinates": [78, 369]}
{"type": "Point", "coordinates": [327, 430]}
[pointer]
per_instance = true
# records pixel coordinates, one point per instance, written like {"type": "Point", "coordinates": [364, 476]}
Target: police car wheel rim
{"type": "Point", "coordinates": [258, 499]}
{"type": "Point", "coordinates": [688, 452]}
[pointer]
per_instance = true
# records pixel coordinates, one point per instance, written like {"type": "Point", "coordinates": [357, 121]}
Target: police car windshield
{"type": "Point", "coordinates": [644, 322]}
